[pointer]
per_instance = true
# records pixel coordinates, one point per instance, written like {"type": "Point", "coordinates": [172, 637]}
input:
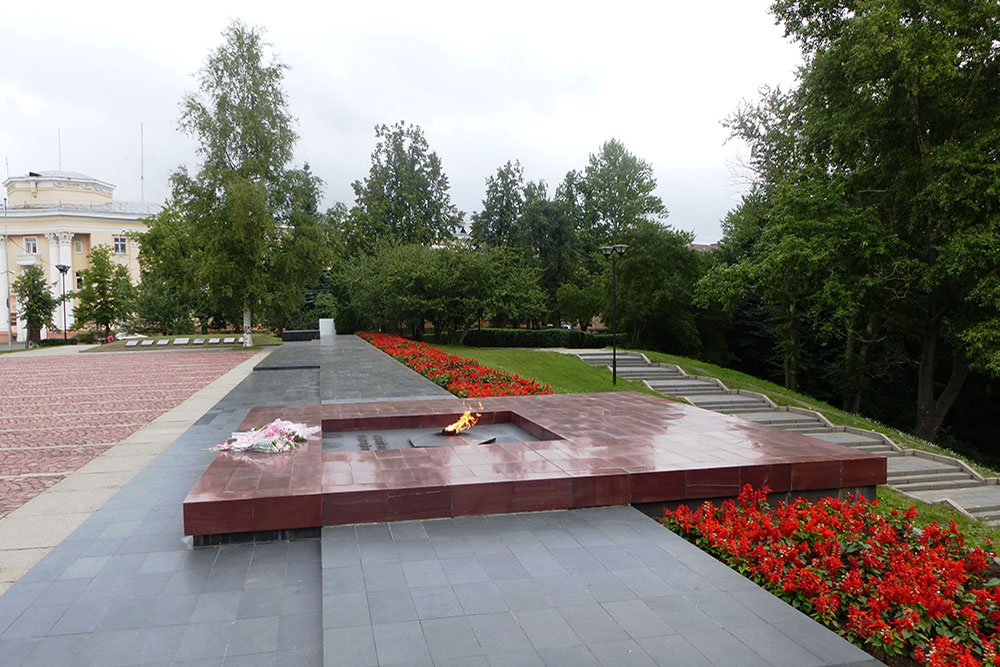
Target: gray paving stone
{"type": "Point", "coordinates": [605, 587]}
{"type": "Point", "coordinates": [637, 619]}
{"type": "Point", "coordinates": [625, 653]}
{"type": "Point", "coordinates": [480, 598]}
{"type": "Point", "coordinates": [349, 647]}
{"type": "Point", "coordinates": [424, 573]}
{"type": "Point", "coordinates": [390, 606]}
{"type": "Point", "coordinates": [672, 650]}
{"type": "Point", "coordinates": [540, 563]}
{"type": "Point", "coordinates": [464, 570]}
{"type": "Point", "coordinates": [521, 594]}
{"type": "Point", "coordinates": [435, 602]}
{"type": "Point", "coordinates": [204, 640]}
{"type": "Point", "coordinates": [398, 643]}
{"type": "Point", "coordinates": [216, 606]}
{"type": "Point", "coordinates": [516, 659]}
{"type": "Point", "coordinates": [383, 576]}
{"type": "Point", "coordinates": [253, 635]}
{"type": "Point", "coordinates": [500, 632]}
{"type": "Point", "coordinates": [547, 628]}
{"type": "Point", "coordinates": [723, 649]}
{"type": "Point", "coordinates": [34, 622]}
{"type": "Point", "coordinates": [450, 638]}
{"type": "Point", "coordinates": [775, 647]}
{"type": "Point", "coordinates": [681, 614]}
{"type": "Point", "coordinates": [593, 624]}
{"type": "Point", "coordinates": [346, 610]}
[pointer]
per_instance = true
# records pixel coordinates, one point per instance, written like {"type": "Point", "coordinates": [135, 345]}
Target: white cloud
{"type": "Point", "coordinates": [545, 83]}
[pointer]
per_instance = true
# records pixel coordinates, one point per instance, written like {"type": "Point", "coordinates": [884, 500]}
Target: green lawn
{"type": "Point", "coordinates": [564, 372]}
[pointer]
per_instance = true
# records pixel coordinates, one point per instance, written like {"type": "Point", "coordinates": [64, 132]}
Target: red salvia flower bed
{"type": "Point", "coordinates": [466, 378]}
{"type": "Point", "coordinates": [906, 596]}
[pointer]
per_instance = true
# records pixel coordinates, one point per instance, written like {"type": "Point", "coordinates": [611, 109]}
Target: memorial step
{"type": "Point", "coordinates": [919, 478]}
{"type": "Point", "coordinates": [938, 485]}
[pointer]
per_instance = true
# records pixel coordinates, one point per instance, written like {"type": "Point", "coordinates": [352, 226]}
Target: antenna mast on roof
{"type": "Point", "coordinates": [59, 141]}
{"type": "Point", "coordinates": [142, 166]}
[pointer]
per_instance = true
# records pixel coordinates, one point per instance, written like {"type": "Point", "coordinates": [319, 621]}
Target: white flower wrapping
{"type": "Point", "coordinates": [278, 436]}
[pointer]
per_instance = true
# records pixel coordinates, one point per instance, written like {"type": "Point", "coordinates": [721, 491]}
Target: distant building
{"type": "Point", "coordinates": [705, 247]}
{"type": "Point", "coordinates": [56, 217]}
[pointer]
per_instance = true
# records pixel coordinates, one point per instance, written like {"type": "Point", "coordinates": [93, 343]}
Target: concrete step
{"type": "Point", "coordinates": [737, 409]}
{"type": "Point", "coordinates": [777, 417]}
{"type": "Point", "coordinates": [938, 485]}
{"type": "Point", "coordinates": [805, 428]}
{"type": "Point", "coordinates": [652, 373]}
{"type": "Point", "coordinates": [877, 448]}
{"type": "Point", "coordinates": [850, 439]}
{"type": "Point", "coordinates": [989, 517]}
{"type": "Point", "coordinates": [917, 478]}
{"type": "Point", "coordinates": [914, 465]}
{"type": "Point", "coordinates": [687, 389]}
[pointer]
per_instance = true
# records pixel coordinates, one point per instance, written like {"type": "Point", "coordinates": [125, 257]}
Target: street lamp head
{"type": "Point", "coordinates": [620, 248]}
{"type": "Point", "coordinates": [63, 268]}
{"type": "Point", "coordinates": [606, 250]}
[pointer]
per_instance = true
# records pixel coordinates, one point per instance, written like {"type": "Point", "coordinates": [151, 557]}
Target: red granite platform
{"type": "Point", "coordinates": [592, 450]}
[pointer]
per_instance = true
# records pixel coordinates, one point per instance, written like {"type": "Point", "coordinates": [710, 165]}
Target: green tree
{"type": "Point", "coordinates": [405, 195]}
{"type": "Point", "coordinates": [255, 245]}
{"type": "Point", "coordinates": [580, 304]}
{"type": "Point", "coordinates": [548, 230]}
{"type": "Point", "coordinates": [168, 294]}
{"type": "Point", "coordinates": [656, 279]}
{"type": "Point", "coordinates": [617, 193]}
{"type": "Point", "coordinates": [880, 170]}
{"type": "Point", "coordinates": [35, 301]}
{"type": "Point", "coordinates": [106, 294]}
{"type": "Point", "coordinates": [496, 224]}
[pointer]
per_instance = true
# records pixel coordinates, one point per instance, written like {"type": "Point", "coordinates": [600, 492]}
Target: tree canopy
{"type": "Point", "coordinates": [105, 297]}
{"type": "Point", "coordinates": [405, 196]}
{"type": "Point", "coordinates": [34, 300]}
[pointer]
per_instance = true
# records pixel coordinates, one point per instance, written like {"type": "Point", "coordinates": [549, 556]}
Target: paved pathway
{"type": "Point", "coordinates": [607, 586]}
{"type": "Point", "coordinates": [922, 475]}
{"type": "Point", "coordinates": [60, 409]}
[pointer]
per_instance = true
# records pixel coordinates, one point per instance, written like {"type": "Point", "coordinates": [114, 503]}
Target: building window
{"type": "Point", "coordinates": [31, 245]}
{"type": "Point", "coordinates": [79, 281]}
{"type": "Point", "coordinates": [120, 245]}
{"type": "Point", "coordinates": [78, 246]}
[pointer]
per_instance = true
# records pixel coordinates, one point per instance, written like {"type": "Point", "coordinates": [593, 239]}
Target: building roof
{"type": "Point", "coordinates": [115, 207]}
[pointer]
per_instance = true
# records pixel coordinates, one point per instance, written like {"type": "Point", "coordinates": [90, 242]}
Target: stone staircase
{"type": "Point", "coordinates": [921, 475]}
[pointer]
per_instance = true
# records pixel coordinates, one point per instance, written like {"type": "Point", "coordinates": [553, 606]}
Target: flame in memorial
{"type": "Point", "coordinates": [465, 422]}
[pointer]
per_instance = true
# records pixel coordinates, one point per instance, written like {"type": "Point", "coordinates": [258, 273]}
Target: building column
{"type": "Point", "coordinates": [53, 240]}
{"type": "Point", "coordinates": [66, 257]}
{"type": "Point", "coordinates": [4, 288]}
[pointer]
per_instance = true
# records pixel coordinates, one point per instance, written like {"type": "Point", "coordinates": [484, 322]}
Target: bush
{"type": "Point", "coordinates": [87, 337]}
{"type": "Point", "coordinates": [535, 338]}
{"type": "Point", "coordinates": [53, 342]}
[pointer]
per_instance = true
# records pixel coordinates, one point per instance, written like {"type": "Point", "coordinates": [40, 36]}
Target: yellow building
{"type": "Point", "coordinates": [54, 218]}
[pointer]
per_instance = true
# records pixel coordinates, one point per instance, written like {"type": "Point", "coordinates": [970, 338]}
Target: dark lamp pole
{"type": "Point", "coordinates": [63, 268]}
{"type": "Point", "coordinates": [614, 253]}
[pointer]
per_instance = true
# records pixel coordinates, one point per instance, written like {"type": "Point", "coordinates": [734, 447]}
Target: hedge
{"type": "Point", "coordinates": [536, 338]}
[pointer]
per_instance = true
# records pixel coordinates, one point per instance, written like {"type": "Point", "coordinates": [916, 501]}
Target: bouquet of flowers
{"type": "Point", "coordinates": [278, 436]}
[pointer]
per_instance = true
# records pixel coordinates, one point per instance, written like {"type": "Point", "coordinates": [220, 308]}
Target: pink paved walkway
{"type": "Point", "coordinates": [59, 412]}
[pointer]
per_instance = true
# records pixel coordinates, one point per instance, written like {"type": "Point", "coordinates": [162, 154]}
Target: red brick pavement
{"type": "Point", "coordinates": [58, 412]}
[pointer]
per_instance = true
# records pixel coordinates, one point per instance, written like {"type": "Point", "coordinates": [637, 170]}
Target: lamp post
{"type": "Point", "coordinates": [63, 268]}
{"type": "Point", "coordinates": [6, 274]}
{"type": "Point", "coordinates": [614, 253]}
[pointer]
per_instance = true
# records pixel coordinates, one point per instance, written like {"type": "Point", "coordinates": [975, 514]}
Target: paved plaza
{"type": "Point", "coordinates": [59, 411]}
{"type": "Point", "coordinates": [603, 586]}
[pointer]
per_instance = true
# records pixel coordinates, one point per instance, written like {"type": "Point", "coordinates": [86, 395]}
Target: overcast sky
{"type": "Point", "coordinates": [544, 83]}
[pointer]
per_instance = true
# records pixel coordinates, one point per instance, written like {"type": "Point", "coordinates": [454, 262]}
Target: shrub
{"type": "Point", "coordinates": [536, 338]}
{"type": "Point", "coordinates": [87, 337]}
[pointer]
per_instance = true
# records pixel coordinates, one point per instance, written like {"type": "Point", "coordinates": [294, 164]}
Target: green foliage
{"type": "Point", "coordinates": [492, 337]}
{"type": "Point", "coordinates": [35, 302]}
{"type": "Point", "coordinates": [580, 305]}
{"type": "Point", "coordinates": [106, 295]}
{"type": "Point", "coordinates": [242, 238]}
{"type": "Point", "coordinates": [617, 193]}
{"type": "Point", "coordinates": [656, 280]}
{"type": "Point", "coordinates": [405, 196]}
{"type": "Point", "coordinates": [451, 287]}
{"type": "Point", "coordinates": [496, 224]}
{"type": "Point", "coordinates": [876, 213]}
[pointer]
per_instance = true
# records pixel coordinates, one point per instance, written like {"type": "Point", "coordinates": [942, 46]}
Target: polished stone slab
{"type": "Point", "coordinates": [590, 450]}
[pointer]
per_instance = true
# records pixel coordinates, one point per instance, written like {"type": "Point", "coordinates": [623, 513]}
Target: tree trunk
{"type": "Point", "coordinates": [465, 332]}
{"type": "Point", "coordinates": [790, 361]}
{"type": "Point", "coordinates": [247, 325]}
{"type": "Point", "coordinates": [856, 366]}
{"type": "Point", "coordinates": [931, 409]}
